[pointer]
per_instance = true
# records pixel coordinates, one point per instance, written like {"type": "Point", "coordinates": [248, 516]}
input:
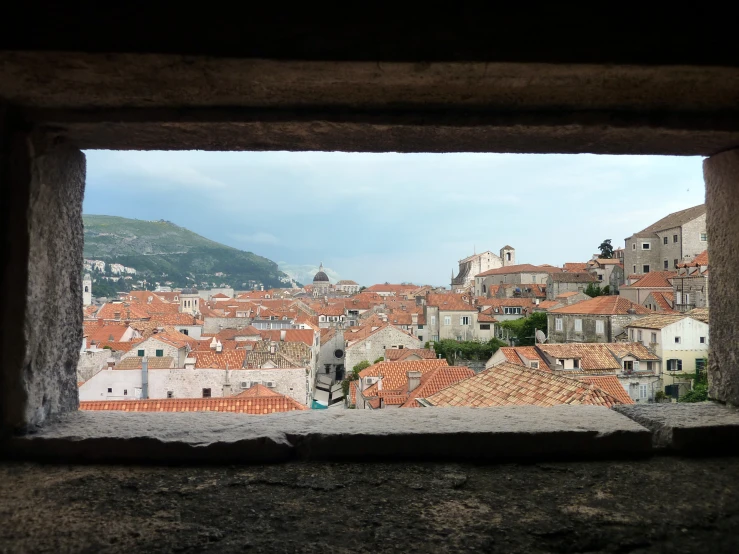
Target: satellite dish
{"type": "Point", "coordinates": [540, 336]}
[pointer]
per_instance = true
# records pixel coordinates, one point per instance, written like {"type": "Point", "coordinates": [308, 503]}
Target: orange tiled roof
{"type": "Point", "coordinates": [118, 346]}
{"type": "Point", "coordinates": [700, 260]}
{"type": "Point", "coordinates": [291, 335]}
{"type": "Point", "coordinates": [602, 305]}
{"type": "Point", "coordinates": [547, 304]}
{"type": "Point", "coordinates": [387, 287]}
{"type": "Point", "coordinates": [520, 268]}
{"type": "Point", "coordinates": [654, 279]}
{"type": "Point", "coordinates": [657, 320]}
{"type": "Point", "coordinates": [701, 314]}
{"type": "Point", "coordinates": [567, 294]}
{"type": "Point", "coordinates": [529, 352]}
{"type": "Point", "coordinates": [261, 405]}
{"type": "Point", "coordinates": [450, 302]}
{"type": "Point", "coordinates": [231, 334]}
{"type": "Point", "coordinates": [400, 354]}
{"type": "Point", "coordinates": [134, 362]}
{"type": "Point", "coordinates": [257, 391]}
{"type": "Point", "coordinates": [665, 301]}
{"type": "Point", "coordinates": [575, 266]}
{"type": "Point", "coordinates": [610, 384]}
{"type": "Point", "coordinates": [434, 381]}
{"type": "Point", "coordinates": [511, 385]}
{"type": "Point", "coordinates": [226, 359]}
{"type": "Point", "coordinates": [175, 319]}
{"type": "Point", "coordinates": [393, 374]}
{"type": "Point", "coordinates": [105, 333]}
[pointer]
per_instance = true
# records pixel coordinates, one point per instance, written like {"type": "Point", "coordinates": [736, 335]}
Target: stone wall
{"type": "Point", "coordinates": [692, 245]}
{"type": "Point", "coordinates": [456, 330]}
{"type": "Point", "coordinates": [150, 347]}
{"type": "Point", "coordinates": [211, 325]}
{"type": "Point", "coordinates": [374, 346]}
{"type": "Point", "coordinates": [189, 383]}
{"type": "Point", "coordinates": [43, 186]}
{"type": "Point", "coordinates": [91, 362]}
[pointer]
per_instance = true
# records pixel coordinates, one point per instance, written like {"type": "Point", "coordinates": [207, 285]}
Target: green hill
{"type": "Point", "coordinates": [161, 251]}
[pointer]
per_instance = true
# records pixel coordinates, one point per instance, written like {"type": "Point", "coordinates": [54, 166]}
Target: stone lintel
{"type": "Point", "coordinates": [522, 432]}
{"type": "Point", "coordinates": [700, 428]}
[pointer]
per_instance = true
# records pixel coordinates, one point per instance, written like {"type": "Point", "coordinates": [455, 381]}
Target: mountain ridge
{"type": "Point", "coordinates": [162, 251]}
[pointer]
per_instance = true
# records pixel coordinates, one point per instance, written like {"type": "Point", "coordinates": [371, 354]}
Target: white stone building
{"type": "Point", "coordinates": [479, 263]}
{"type": "Point", "coordinates": [370, 344]}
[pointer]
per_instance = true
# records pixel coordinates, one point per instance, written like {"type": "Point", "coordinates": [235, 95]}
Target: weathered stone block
{"type": "Point", "coordinates": [700, 428]}
{"type": "Point", "coordinates": [425, 433]}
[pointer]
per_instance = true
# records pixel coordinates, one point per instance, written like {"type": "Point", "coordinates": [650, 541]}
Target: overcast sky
{"type": "Point", "coordinates": [395, 217]}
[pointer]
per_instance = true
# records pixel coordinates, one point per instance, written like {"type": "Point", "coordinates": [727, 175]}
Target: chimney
{"type": "Point", "coordinates": [189, 363]}
{"type": "Point", "coordinates": [144, 378]}
{"type": "Point", "coordinates": [219, 347]}
{"type": "Point", "coordinates": [414, 379]}
{"type": "Point", "coordinates": [414, 319]}
{"type": "Point", "coordinates": [379, 383]}
{"type": "Point", "coordinates": [111, 363]}
{"type": "Point", "coordinates": [283, 334]}
{"type": "Point", "coordinates": [272, 348]}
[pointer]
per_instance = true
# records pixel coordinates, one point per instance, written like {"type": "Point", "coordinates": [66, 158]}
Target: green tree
{"type": "Point", "coordinates": [364, 364]}
{"type": "Point", "coordinates": [605, 291]}
{"type": "Point", "coordinates": [606, 250]}
{"type": "Point", "coordinates": [593, 290]}
{"type": "Point", "coordinates": [523, 330]}
{"type": "Point", "coordinates": [378, 360]}
{"type": "Point", "coordinates": [698, 394]}
{"type": "Point", "coordinates": [467, 350]}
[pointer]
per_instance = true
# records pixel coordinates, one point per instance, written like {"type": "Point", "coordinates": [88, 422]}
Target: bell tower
{"type": "Point", "coordinates": [86, 290]}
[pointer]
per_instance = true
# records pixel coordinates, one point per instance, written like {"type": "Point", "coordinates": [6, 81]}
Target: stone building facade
{"type": "Point", "coordinates": [558, 283]}
{"type": "Point", "coordinates": [674, 239]}
{"type": "Point", "coordinates": [478, 263]}
{"type": "Point", "coordinates": [521, 274]}
{"type": "Point", "coordinates": [373, 346]}
{"type": "Point", "coordinates": [155, 348]}
{"type": "Point", "coordinates": [600, 319]}
{"type": "Point", "coordinates": [125, 384]}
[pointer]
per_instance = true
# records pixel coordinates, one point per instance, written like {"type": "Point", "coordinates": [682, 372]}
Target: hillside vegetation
{"type": "Point", "coordinates": [161, 251]}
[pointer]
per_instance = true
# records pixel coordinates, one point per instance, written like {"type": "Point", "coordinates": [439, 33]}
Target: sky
{"type": "Point", "coordinates": [377, 218]}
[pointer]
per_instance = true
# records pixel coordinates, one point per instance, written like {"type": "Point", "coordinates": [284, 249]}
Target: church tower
{"type": "Point", "coordinates": [86, 290]}
{"type": "Point", "coordinates": [508, 255]}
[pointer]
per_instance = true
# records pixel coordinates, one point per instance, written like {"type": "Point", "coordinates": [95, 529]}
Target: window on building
{"type": "Point", "coordinates": [703, 340]}
{"type": "Point", "coordinates": [578, 325]}
{"type": "Point", "coordinates": [638, 335]}
{"type": "Point", "coordinates": [185, 332]}
{"type": "Point", "coordinates": [674, 365]}
{"type": "Point", "coordinates": [125, 392]}
{"type": "Point", "coordinates": [654, 338]}
{"type": "Point", "coordinates": [674, 262]}
{"type": "Point", "coordinates": [633, 246]}
{"type": "Point", "coordinates": [558, 324]}
{"type": "Point", "coordinates": [508, 256]}
{"type": "Point", "coordinates": [674, 238]}
{"type": "Point", "coordinates": [110, 390]}
{"type": "Point", "coordinates": [599, 327]}
{"type": "Point", "coordinates": [643, 392]}
{"type": "Point", "coordinates": [160, 353]}
{"type": "Point", "coordinates": [634, 269]}
{"type": "Point", "coordinates": [420, 327]}
{"type": "Point", "coordinates": [464, 320]}
{"type": "Point", "coordinates": [141, 353]}
{"type": "Point", "coordinates": [677, 340]}
{"type": "Point", "coordinates": [447, 320]}
{"type": "Point", "coordinates": [512, 311]}
{"type": "Point", "coordinates": [667, 264]}
{"type": "Point", "coordinates": [433, 320]}
{"type": "Point", "coordinates": [631, 335]}
{"type": "Point", "coordinates": [649, 366]}
{"type": "Point", "coordinates": [700, 364]}
{"type": "Point", "coordinates": [117, 315]}
{"type": "Point", "coordinates": [576, 363]}
{"type": "Point", "coordinates": [561, 362]}
{"type": "Point", "coordinates": [170, 394]}
{"type": "Point", "coordinates": [645, 246]}
{"type": "Point", "coordinates": [600, 277]}
{"type": "Point", "coordinates": [628, 365]}
{"type": "Point", "coordinates": [206, 393]}
{"type": "Point", "coordinates": [484, 326]}
{"type": "Point", "coordinates": [665, 240]}
{"type": "Point", "coordinates": [484, 288]}
{"type": "Point", "coordinates": [645, 268]}
{"type": "Point", "coordinates": [435, 338]}
{"type": "Point", "coordinates": [687, 298]}
{"type": "Point", "coordinates": [420, 337]}
{"type": "Point", "coordinates": [704, 237]}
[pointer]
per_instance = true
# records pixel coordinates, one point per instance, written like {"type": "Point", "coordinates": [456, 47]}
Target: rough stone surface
{"type": "Point", "coordinates": [53, 322]}
{"type": "Point", "coordinates": [663, 504]}
{"type": "Point", "coordinates": [699, 428]}
{"type": "Point", "coordinates": [721, 174]}
{"type": "Point", "coordinates": [424, 433]}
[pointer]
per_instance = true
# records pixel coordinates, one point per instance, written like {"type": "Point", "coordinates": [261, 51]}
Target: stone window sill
{"type": "Point", "coordinates": [491, 434]}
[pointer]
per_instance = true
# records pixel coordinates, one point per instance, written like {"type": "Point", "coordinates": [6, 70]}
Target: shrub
{"type": "Point", "coordinates": [364, 364]}
{"type": "Point", "coordinates": [378, 360]}
{"type": "Point", "coordinates": [698, 394]}
{"type": "Point", "coordinates": [660, 395]}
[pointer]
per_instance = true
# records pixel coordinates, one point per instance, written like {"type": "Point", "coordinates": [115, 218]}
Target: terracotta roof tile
{"type": "Point", "coordinates": [654, 279]}
{"type": "Point", "coordinates": [603, 305]}
{"type": "Point", "coordinates": [656, 321]}
{"type": "Point", "coordinates": [226, 359]}
{"type": "Point", "coordinates": [436, 380]}
{"type": "Point", "coordinates": [262, 405]}
{"type": "Point", "coordinates": [511, 385]}
{"type": "Point", "coordinates": [575, 266]}
{"type": "Point", "coordinates": [450, 302]}
{"type": "Point", "coordinates": [134, 362]}
{"type": "Point", "coordinates": [257, 391]}
{"type": "Point", "coordinates": [572, 277]}
{"type": "Point", "coordinates": [675, 219]}
{"type": "Point", "coordinates": [701, 314]}
{"type": "Point", "coordinates": [394, 374]}
{"type": "Point", "coordinates": [400, 354]}
{"type": "Point", "coordinates": [520, 268]}
{"type": "Point", "coordinates": [610, 384]}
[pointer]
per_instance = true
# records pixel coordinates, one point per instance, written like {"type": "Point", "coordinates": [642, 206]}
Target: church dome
{"type": "Point", "coordinates": [320, 276]}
